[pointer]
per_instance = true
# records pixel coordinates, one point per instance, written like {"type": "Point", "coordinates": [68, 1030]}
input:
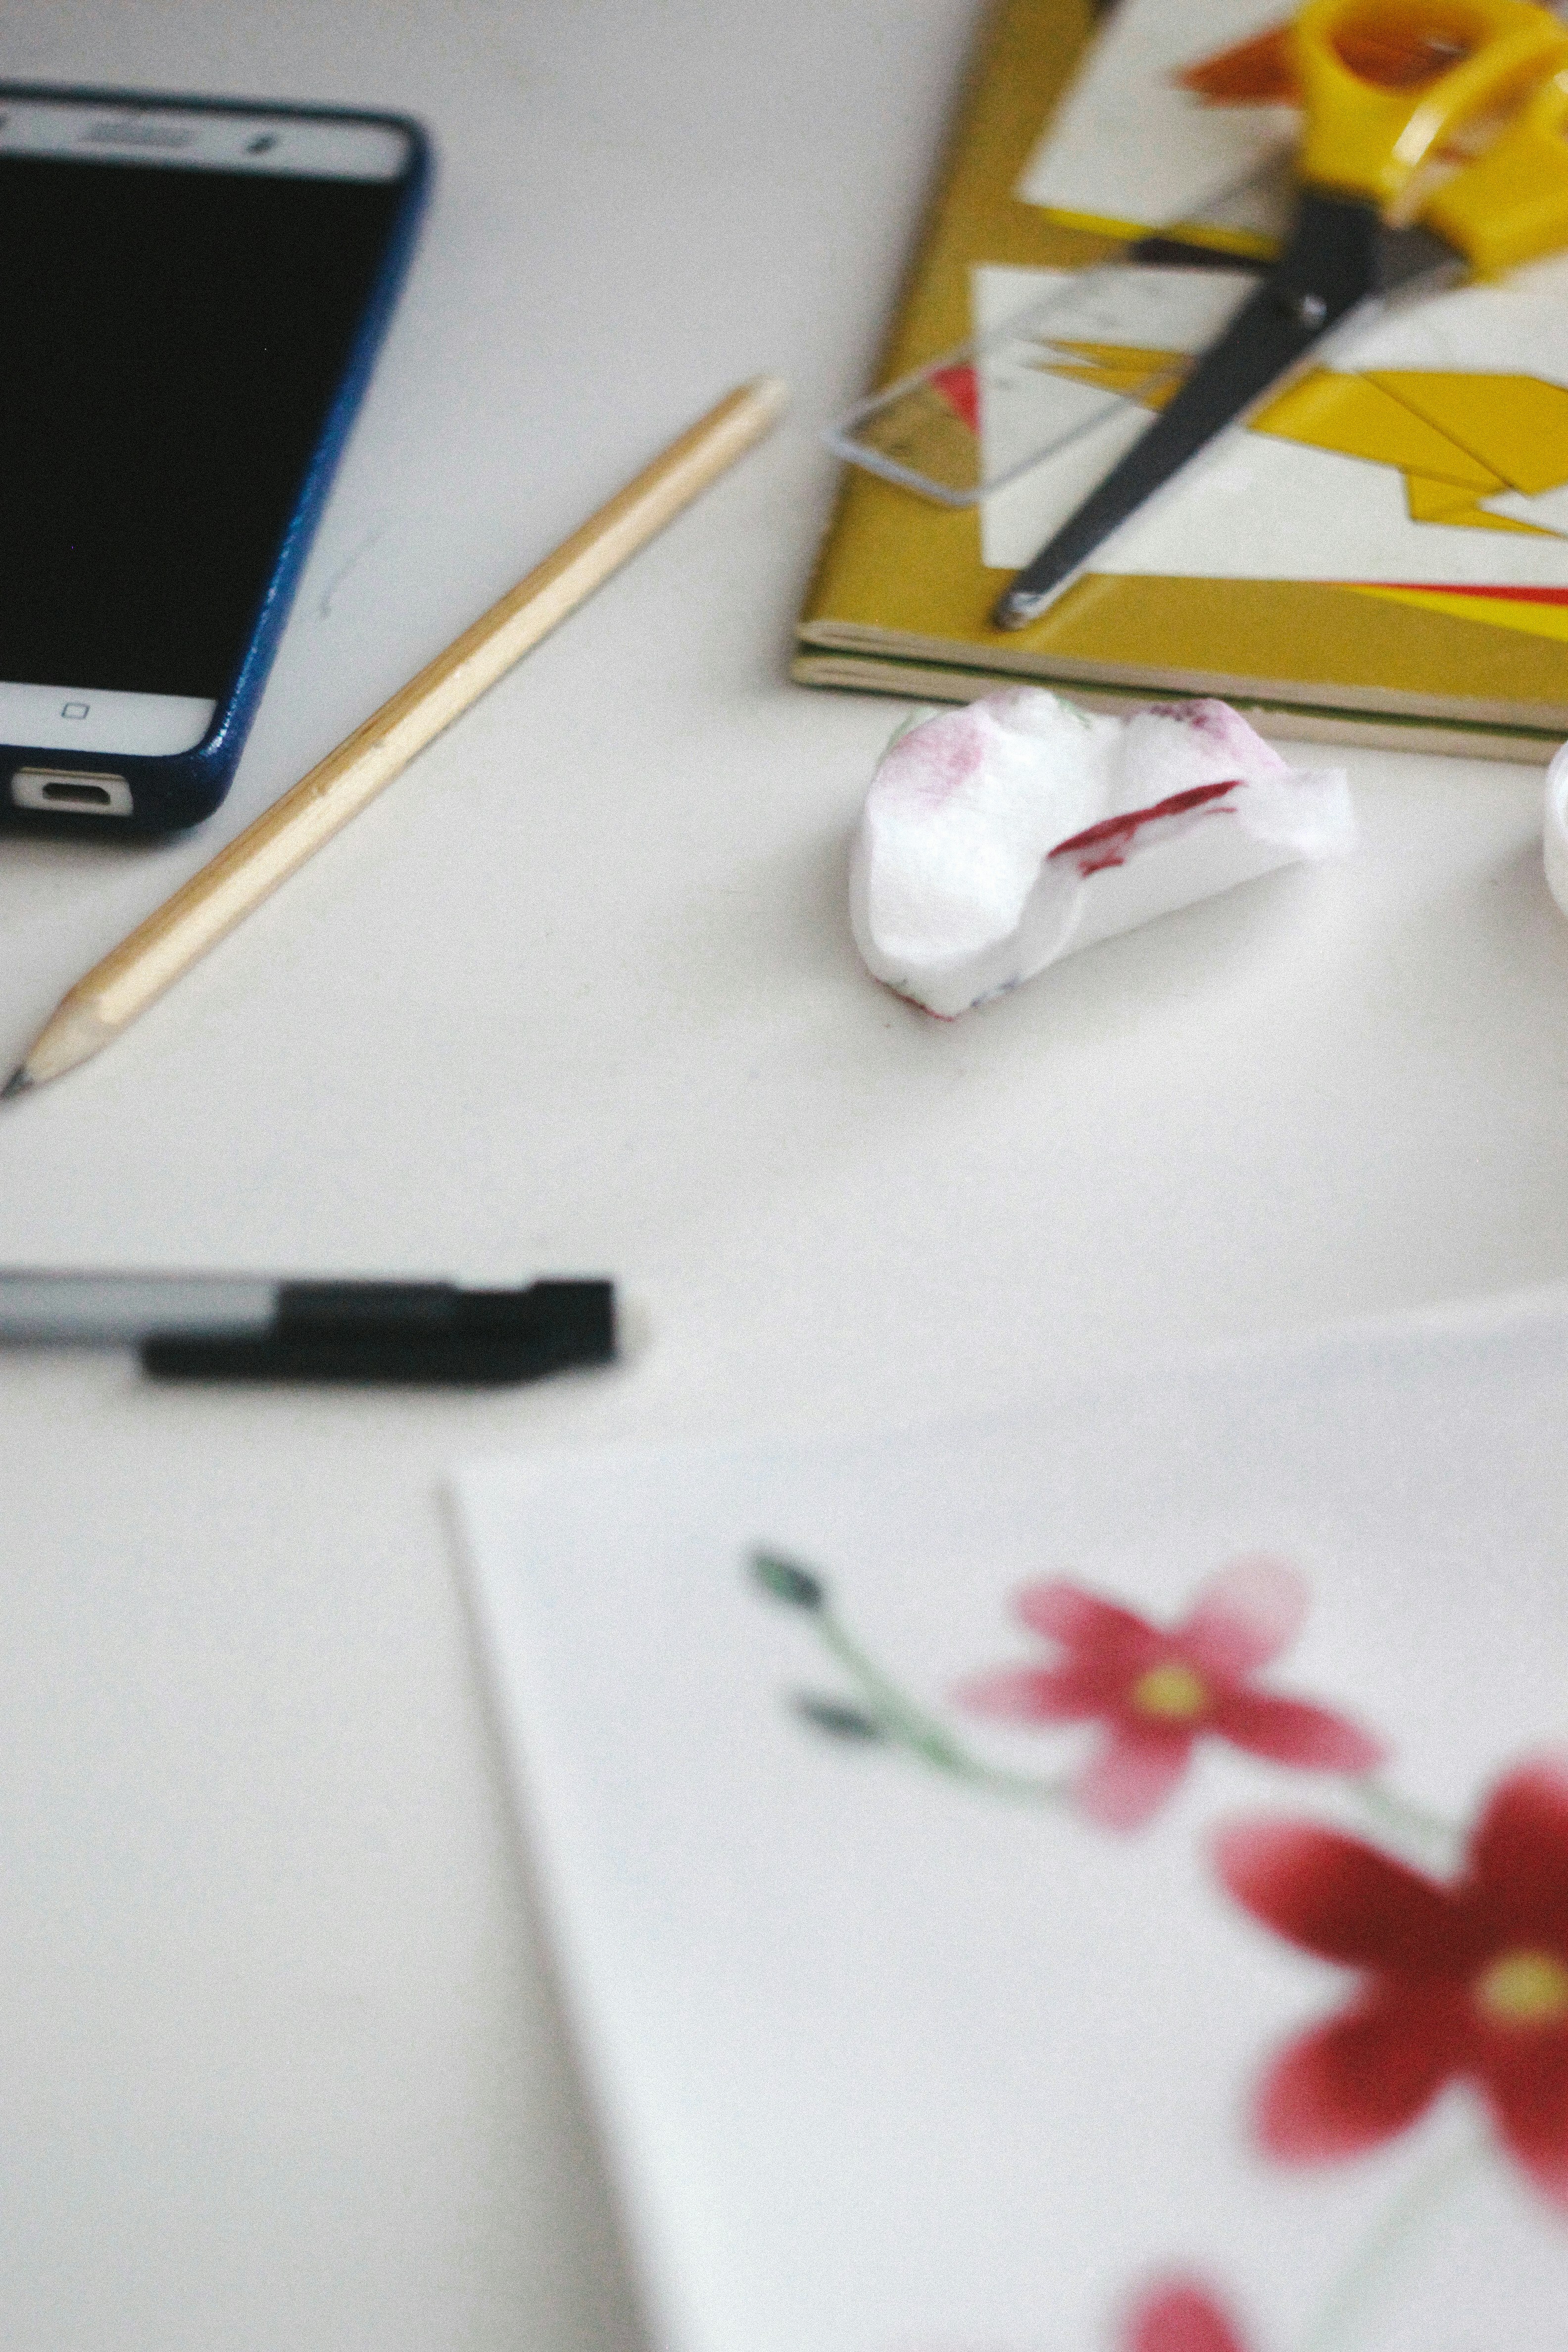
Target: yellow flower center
{"type": "Point", "coordinates": [1172, 1691]}
{"type": "Point", "coordinates": [1523, 1988]}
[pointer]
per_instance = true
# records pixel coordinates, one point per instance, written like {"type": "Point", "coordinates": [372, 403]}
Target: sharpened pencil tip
{"type": "Point", "coordinates": [17, 1083]}
{"type": "Point", "coordinates": [771, 392]}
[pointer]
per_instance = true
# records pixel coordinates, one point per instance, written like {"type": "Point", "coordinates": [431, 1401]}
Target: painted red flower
{"type": "Point", "coordinates": [1180, 2316]}
{"type": "Point", "coordinates": [1461, 1980]}
{"type": "Point", "coordinates": [1159, 1689]}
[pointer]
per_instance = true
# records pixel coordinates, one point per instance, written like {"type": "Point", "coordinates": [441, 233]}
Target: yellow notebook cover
{"type": "Point", "coordinates": [1379, 555]}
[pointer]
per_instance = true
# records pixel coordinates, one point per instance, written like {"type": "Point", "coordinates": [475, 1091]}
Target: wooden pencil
{"type": "Point", "coordinates": [136, 972]}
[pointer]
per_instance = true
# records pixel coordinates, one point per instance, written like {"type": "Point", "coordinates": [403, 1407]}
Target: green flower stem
{"type": "Point", "coordinates": [1401, 1817]}
{"type": "Point", "coordinates": [912, 1728]}
{"type": "Point", "coordinates": [1347, 2304]}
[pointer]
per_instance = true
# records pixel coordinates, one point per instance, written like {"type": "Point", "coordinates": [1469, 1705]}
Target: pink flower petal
{"type": "Point", "coordinates": [1032, 1695]}
{"type": "Point", "coordinates": [1519, 1855]}
{"type": "Point", "coordinates": [1181, 2317]}
{"type": "Point", "coordinates": [1130, 1776]}
{"type": "Point", "coordinates": [1065, 1613]}
{"type": "Point", "coordinates": [1291, 1732]}
{"type": "Point", "coordinates": [1244, 1617]}
{"type": "Point", "coordinates": [1363, 2077]}
{"type": "Point", "coordinates": [1342, 1899]}
{"type": "Point", "coordinates": [1527, 2085]}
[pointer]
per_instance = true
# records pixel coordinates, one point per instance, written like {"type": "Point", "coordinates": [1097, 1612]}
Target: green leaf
{"type": "Point", "coordinates": [832, 1715]}
{"type": "Point", "coordinates": [797, 1587]}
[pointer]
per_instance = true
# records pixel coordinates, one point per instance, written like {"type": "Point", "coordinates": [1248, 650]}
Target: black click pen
{"type": "Point", "coordinates": [236, 1328]}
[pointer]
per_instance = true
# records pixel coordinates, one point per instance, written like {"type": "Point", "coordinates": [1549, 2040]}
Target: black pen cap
{"type": "Point", "coordinates": [409, 1334]}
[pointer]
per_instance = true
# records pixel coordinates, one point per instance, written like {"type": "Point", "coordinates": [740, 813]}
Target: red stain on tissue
{"type": "Point", "coordinates": [933, 761]}
{"type": "Point", "coordinates": [1108, 843]}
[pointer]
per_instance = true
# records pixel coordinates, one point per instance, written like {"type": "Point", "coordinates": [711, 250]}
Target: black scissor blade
{"type": "Point", "coordinates": [1334, 260]}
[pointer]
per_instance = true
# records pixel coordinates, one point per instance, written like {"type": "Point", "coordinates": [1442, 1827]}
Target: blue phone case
{"type": "Point", "coordinates": [178, 791]}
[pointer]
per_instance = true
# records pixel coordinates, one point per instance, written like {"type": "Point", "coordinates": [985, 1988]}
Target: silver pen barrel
{"type": "Point", "coordinates": [116, 1311]}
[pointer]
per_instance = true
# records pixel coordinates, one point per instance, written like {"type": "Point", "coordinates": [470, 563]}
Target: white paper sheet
{"type": "Point", "coordinates": [899, 2046]}
{"type": "Point", "coordinates": [1130, 145]}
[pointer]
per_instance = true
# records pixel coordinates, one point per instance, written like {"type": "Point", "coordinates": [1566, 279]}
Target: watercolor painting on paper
{"type": "Point", "coordinates": [1090, 1880]}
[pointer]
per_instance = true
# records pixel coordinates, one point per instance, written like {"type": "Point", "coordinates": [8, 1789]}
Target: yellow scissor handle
{"type": "Point", "coordinates": [1513, 203]}
{"type": "Point", "coordinates": [1369, 129]}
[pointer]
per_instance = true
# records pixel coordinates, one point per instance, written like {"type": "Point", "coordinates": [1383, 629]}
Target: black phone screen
{"type": "Point", "coordinates": [173, 341]}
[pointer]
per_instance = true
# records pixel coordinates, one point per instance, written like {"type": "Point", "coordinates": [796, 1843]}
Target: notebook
{"type": "Point", "coordinates": [1379, 555]}
{"type": "Point", "coordinates": [1093, 1879]}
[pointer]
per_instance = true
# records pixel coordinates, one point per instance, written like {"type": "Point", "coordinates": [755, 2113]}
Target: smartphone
{"type": "Point", "coordinates": [192, 291]}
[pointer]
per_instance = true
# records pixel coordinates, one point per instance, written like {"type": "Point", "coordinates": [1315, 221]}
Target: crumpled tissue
{"type": "Point", "coordinates": [1002, 835]}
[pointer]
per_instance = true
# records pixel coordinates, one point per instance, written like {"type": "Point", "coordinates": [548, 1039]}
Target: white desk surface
{"type": "Point", "coordinates": [281, 2064]}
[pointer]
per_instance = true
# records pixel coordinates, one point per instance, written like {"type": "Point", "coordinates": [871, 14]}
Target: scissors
{"type": "Point", "coordinates": [1383, 84]}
